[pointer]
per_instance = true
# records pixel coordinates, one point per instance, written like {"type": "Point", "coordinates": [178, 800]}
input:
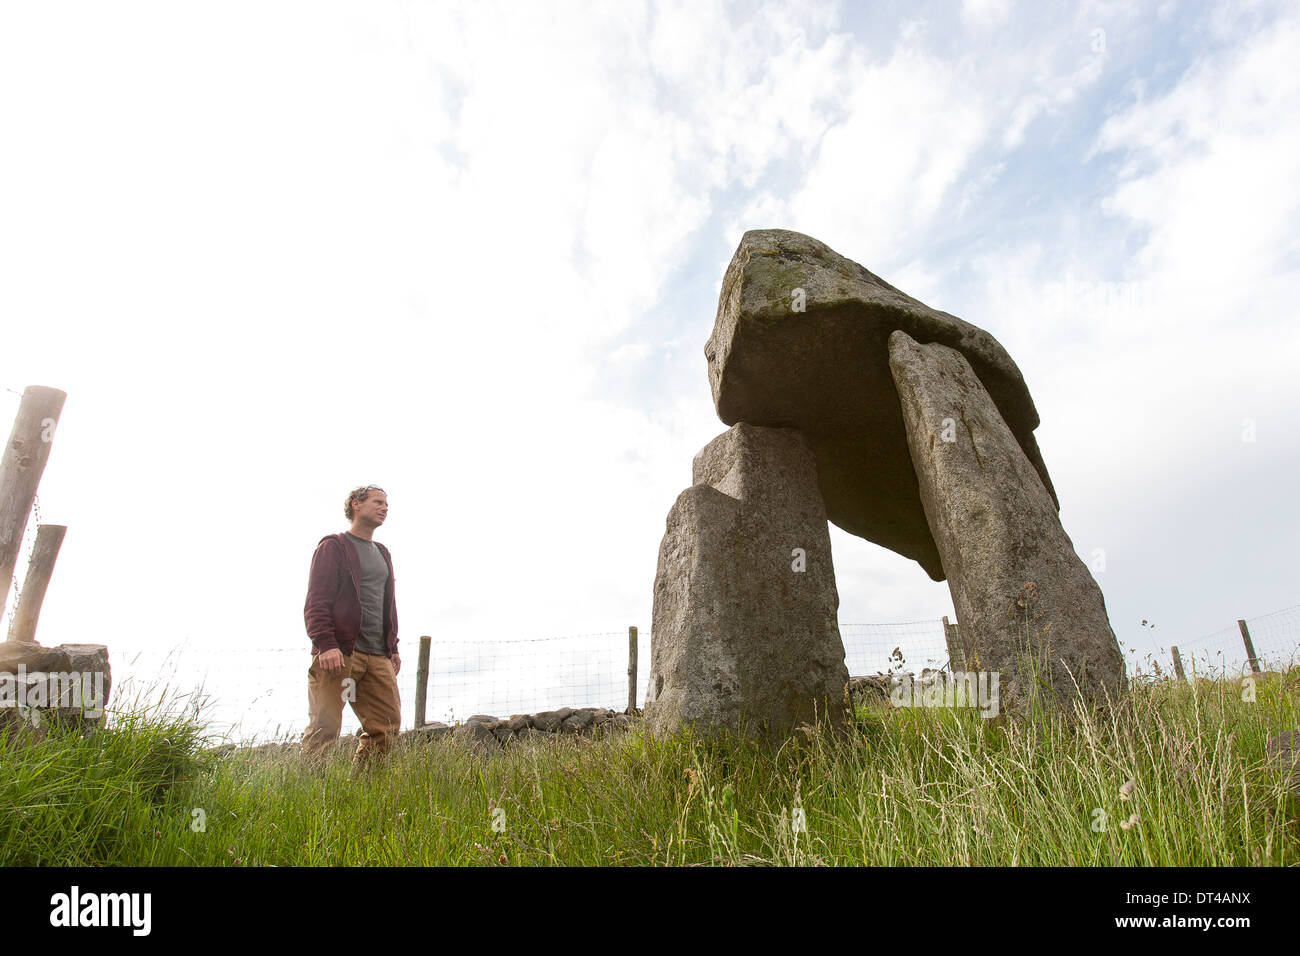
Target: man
{"type": "Point", "coordinates": [351, 616]}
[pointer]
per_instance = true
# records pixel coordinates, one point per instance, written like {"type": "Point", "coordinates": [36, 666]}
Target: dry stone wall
{"type": "Point", "coordinates": [488, 733]}
{"type": "Point", "coordinates": [68, 683]}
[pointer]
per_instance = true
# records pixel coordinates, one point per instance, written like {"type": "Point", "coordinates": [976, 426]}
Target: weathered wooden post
{"type": "Point", "coordinates": [49, 537]}
{"type": "Point", "coordinates": [631, 670]}
{"type": "Point", "coordinates": [422, 680]}
{"type": "Point", "coordinates": [1178, 663]}
{"type": "Point", "coordinates": [21, 467]}
{"type": "Point", "coordinates": [956, 654]}
{"type": "Point", "coordinates": [1251, 659]}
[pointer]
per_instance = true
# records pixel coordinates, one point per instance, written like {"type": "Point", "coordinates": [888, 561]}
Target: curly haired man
{"type": "Point", "coordinates": [351, 616]}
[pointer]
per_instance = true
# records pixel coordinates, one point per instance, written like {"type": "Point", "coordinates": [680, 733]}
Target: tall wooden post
{"type": "Point", "coordinates": [631, 670]}
{"type": "Point", "coordinates": [422, 680]}
{"type": "Point", "coordinates": [21, 467]}
{"type": "Point", "coordinates": [1251, 659]}
{"type": "Point", "coordinates": [49, 538]}
{"type": "Point", "coordinates": [1178, 663]}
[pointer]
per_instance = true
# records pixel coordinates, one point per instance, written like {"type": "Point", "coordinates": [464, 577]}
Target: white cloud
{"type": "Point", "coordinates": [1214, 176]}
{"type": "Point", "coordinates": [984, 13]}
{"type": "Point", "coordinates": [880, 174]}
{"type": "Point", "coordinates": [1050, 95]}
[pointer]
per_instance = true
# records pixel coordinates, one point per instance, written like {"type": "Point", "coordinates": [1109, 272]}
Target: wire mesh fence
{"type": "Point", "coordinates": [911, 646]}
{"type": "Point", "coordinates": [247, 693]}
{"type": "Point", "coordinates": [506, 677]}
{"type": "Point", "coordinates": [261, 693]}
{"type": "Point", "coordinates": [1275, 637]}
{"type": "Point", "coordinates": [240, 693]}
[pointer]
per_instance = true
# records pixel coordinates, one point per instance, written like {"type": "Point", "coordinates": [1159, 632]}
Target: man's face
{"type": "Point", "coordinates": [373, 510]}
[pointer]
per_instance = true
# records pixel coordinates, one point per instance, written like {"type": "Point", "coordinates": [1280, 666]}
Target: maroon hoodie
{"type": "Point", "coordinates": [333, 608]}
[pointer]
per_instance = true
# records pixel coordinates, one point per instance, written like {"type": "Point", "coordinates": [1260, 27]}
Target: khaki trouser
{"type": "Point", "coordinates": [372, 691]}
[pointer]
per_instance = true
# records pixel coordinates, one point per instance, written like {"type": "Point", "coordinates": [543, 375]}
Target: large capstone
{"type": "Point", "coordinates": [801, 340]}
{"type": "Point", "coordinates": [1023, 596]}
{"type": "Point", "coordinates": [744, 628]}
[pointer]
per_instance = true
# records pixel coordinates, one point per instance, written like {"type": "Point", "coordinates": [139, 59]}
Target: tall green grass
{"type": "Point", "coordinates": [68, 798]}
{"type": "Point", "coordinates": [901, 787]}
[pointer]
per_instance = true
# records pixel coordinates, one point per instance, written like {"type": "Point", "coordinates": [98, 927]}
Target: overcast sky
{"type": "Point", "coordinates": [472, 253]}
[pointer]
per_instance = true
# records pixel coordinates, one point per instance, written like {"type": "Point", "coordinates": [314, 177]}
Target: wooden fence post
{"type": "Point", "coordinates": [422, 680]}
{"type": "Point", "coordinates": [49, 537]}
{"type": "Point", "coordinates": [956, 653]}
{"type": "Point", "coordinates": [21, 467]}
{"type": "Point", "coordinates": [1178, 663]}
{"type": "Point", "coordinates": [1251, 659]}
{"type": "Point", "coordinates": [631, 670]}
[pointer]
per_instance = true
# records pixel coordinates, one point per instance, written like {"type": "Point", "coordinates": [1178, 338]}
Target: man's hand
{"type": "Point", "coordinates": [331, 661]}
{"type": "Point", "coordinates": [397, 664]}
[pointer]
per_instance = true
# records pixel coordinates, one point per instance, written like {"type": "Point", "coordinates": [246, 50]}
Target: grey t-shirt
{"type": "Point", "coordinates": [374, 579]}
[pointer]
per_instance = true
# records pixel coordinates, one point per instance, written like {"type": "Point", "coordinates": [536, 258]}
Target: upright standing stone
{"type": "Point", "coordinates": [1017, 584]}
{"type": "Point", "coordinates": [745, 630]}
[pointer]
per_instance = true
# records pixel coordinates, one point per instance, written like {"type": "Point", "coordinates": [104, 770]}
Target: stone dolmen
{"type": "Point", "coordinates": [851, 401]}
